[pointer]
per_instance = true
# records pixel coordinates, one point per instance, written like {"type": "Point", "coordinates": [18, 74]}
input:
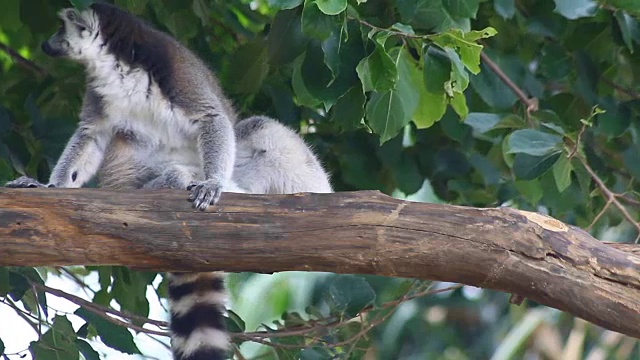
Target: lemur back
{"type": "Point", "coordinates": [155, 117]}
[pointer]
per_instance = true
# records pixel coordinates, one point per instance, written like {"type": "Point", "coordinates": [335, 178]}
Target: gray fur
{"type": "Point", "coordinates": [157, 118]}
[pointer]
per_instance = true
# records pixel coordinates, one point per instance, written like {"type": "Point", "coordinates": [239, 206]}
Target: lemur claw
{"type": "Point", "coordinates": [27, 182]}
{"type": "Point", "coordinates": [204, 193]}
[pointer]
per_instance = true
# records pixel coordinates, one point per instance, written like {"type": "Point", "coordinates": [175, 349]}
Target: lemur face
{"type": "Point", "coordinates": [77, 37]}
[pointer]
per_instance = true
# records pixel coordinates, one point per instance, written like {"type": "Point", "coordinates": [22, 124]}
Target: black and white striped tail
{"type": "Point", "coordinates": [196, 303]}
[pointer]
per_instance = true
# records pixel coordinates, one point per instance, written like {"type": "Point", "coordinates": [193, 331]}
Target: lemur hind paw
{"type": "Point", "coordinates": [27, 182]}
{"type": "Point", "coordinates": [204, 193]}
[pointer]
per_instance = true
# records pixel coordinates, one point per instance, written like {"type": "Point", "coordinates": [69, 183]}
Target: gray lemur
{"type": "Point", "coordinates": [154, 116]}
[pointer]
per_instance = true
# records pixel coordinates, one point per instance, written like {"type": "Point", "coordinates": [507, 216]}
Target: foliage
{"type": "Point", "coordinates": [394, 96]}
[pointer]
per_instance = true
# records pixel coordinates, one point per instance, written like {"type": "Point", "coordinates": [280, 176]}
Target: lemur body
{"type": "Point", "coordinates": [154, 116]}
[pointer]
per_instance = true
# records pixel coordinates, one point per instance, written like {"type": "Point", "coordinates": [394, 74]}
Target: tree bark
{"type": "Point", "coordinates": [366, 232]}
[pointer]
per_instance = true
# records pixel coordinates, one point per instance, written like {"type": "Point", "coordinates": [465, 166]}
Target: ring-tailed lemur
{"type": "Point", "coordinates": [153, 117]}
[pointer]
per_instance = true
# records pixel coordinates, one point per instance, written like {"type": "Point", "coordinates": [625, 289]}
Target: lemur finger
{"type": "Point", "coordinates": [195, 190]}
{"type": "Point", "coordinates": [202, 192]}
{"type": "Point", "coordinates": [209, 199]}
{"type": "Point", "coordinates": [24, 182]}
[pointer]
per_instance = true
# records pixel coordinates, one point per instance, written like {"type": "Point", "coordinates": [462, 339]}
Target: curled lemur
{"type": "Point", "coordinates": [154, 116]}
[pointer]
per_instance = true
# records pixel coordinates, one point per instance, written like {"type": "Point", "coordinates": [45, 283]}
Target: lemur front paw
{"type": "Point", "coordinates": [27, 182]}
{"type": "Point", "coordinates": [204, 193]}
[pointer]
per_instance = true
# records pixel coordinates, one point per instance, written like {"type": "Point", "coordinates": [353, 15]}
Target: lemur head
{"type": "Point", "coordinates": [76, 37]}
{"type": "Point", "coordinates": [88, 35]}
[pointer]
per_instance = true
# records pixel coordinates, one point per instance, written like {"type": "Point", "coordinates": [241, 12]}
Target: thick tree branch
{"type": "Point", "coordinates": [363, 232]}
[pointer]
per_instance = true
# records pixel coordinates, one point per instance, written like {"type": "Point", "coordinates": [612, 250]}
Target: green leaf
{"type": "Point", "coordinates": [409, 81]}
{"type": "Point", "coordinates": [112, 335]}
{"type": "Point", "coordinates": [505, 8]}
{"type": "Point", "coordinates": [284, 4]}
{"type": "Point", "coordinates": [555, 62]}
{"type": "Point", "coordinates": [385, 115]}
{"type": "Point", "coordinates": [407, 175]}
{"type": "Point", "coordinates": [19, 278]}
{"type": "Point", "coordinates": [349, 109]}
{"type": "Point", "coordinates": [86, 350]}
{"type": "Point", "coordinates": [459, 105]}
{"type": "Point", "coordinates": [628, 28]}
{"type": "Point", "coordinates": [434, 15]}
{"type": "Point", "coordinates": [631, 6]}
{"type": "Point", "coordinates": [248, 68]}
{"type": "Point", "coordinates": [104, 276]}
{"type": "Point", "coordinates": [315, 23]}
{"type": "Point", "coordinates": [286, 40]}
{"type": "Point", "coordinates": [332, 7]}
{"type": "Point", "coordinates": [433, 100]}
{"type": "Point", "coordinates": [303, 96]}
{"type": "Point", "coordinates": [316, 76]}
{"type": "Point", "coordinates": [381, 111]}
{"type": "Point", "coordinates": [528, 167]}
{"type": "Point", "coordinates": [431, 108]}
{"type": "Point", "coordinates": [562, 173]}
{"type": "Point", "coordinates": [533, 142]}
{"type": "Point", "coordinates": [482, 122]}
{"type": "Point", "coordinates": [351, 294]}
{"type": "Point", "coordinates": [436, 71]}
{"type": "Point", "coordinates": [531, 190]}
{"type": "Point", "coordinates": [183, 24]}
{"type": "Point", "coordinates": [459, 76]}
{"type": "Point", "coordinates": [630, 157]}
{"type": "Point", "coordinates": [462, 8]}
{"type": "Point", "coordinates": [234, 322]}
{"type": "Point", "coordinates": [333, 48]}
{"type": "Point", "coordinates": [4, 281]}
{"type": "Point", "coordinates": [57, 343]}
{"type": "Point", "coordinates": [574, 9]}
{"type": "Point", "coordinates": [130, 289]}
{"type": "Point", "coordinates": [1, 347]}
{"type": "Point", "coordinates": [490, 88]}
{"type": "Point", "coordinates": [378, 72]}
{"type": "Point", "coordinates": [464, 44]}
{"type": "Point", "coordinates": [201, 10]}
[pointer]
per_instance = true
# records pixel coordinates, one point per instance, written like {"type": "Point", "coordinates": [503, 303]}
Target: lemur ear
{"type": "Point", "coordinates": [69, 14]}
{"type": "Point", "coordinates": [75, 17]}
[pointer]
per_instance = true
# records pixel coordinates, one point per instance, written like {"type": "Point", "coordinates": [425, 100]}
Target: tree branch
{"type": "Point", "coordinates": [20, 60]}
{"type": "Point", "coordinates": [359, 232]}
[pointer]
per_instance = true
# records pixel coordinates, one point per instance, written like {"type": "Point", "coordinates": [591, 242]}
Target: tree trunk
{"type": "Point", "coordinates": [519, 252]}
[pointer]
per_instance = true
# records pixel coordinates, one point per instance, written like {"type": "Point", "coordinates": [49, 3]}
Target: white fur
{"type": "Point", "coordinates": [288, 166]}
{"type": "Point", "coordinates": [128, 106]}
{"type": "Point", "coordinates": [186, 303]}
{"type": "Point", "coordinates": [200, 338]}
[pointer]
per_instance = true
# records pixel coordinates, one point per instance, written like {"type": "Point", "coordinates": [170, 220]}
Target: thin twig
{"type": "Point", "coordinates": [610, 196]}
{"type": "Point", "coordinates": [85, 303]}
{"type": "Point", "coordinates": [76, 279]}
{"type": "Point", "coordinates": [27, 317]}
{"type": "Point", "coordinates": [628, 200]}
{"type": "Point", "coordinates": [261, 337]}
{"type": "Point", "coordinates": [21, 60]}
{"type": "Point", "coordinates": [531, 103]}
{"type": "Point", "coordinates": [98, 310]}
{"type": "Point", "coordinates": [629, 92]}
{"type": "Point", "coordinates": [595, 219]}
